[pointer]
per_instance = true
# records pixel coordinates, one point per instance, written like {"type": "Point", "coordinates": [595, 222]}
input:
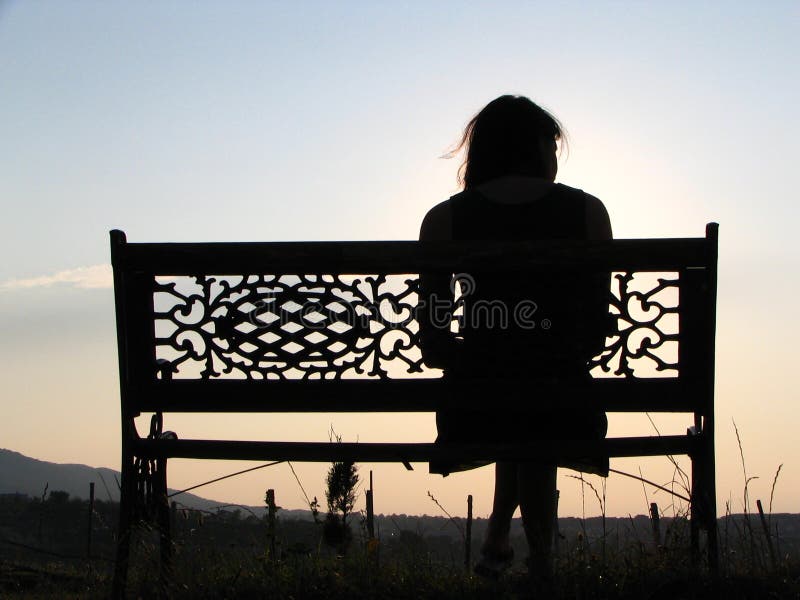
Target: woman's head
{"type": "Point", "coordinates": [510, 136]}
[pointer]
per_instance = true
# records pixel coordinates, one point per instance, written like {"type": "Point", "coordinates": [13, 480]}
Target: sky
{"type": "Point", "coordinates": [243, 121]}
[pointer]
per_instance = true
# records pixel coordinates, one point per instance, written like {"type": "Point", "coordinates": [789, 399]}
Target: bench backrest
{"type": "Point", "coordinates": [331, 326]}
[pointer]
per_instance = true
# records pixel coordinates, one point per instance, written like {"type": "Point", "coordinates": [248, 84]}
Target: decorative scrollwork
{"type": "Point", "coordinates": [646, 306]}
{"type": "Point", "coordinates": [329, 326]}
{"type": "Point", "coordinates": [150, 477]}
{"type": "Point", "coordinates": [288, 327]}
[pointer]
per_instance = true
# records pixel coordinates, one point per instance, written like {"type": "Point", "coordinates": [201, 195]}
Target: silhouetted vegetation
{"type": "Point", "coordinates": [340, 492]}
{"type": "Point", "coordinates": [223, 554]}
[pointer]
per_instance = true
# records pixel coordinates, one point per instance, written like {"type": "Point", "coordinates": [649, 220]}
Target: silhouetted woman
{"type": "Point", "coordinates": [509, 194]}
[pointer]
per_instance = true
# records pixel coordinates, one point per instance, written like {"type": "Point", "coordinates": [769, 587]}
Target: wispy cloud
{"type": "Point", "coordinates": [91, 277]}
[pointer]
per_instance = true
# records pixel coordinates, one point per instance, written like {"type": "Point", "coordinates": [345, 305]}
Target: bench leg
{"type": "Point", "coordinates": [713, 548]}
{"type": "Point", "coordinates": [164, 525]}
{"type": "Point", "coordinates": [695, 511]}
{"type": "Point", "coordinates": [703, 505]}
{"type": "Point", "coordinates": [126, 508]}
{"type": "Point", "coordinates": [709, 501]}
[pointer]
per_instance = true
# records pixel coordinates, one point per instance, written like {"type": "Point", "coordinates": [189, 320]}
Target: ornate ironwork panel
{"type": "Point", "coordinates": [288, 327]}
{"type": "Point", "coordinates": [646, 344]}
{"type": "Point", "coordinates": [329, 326]}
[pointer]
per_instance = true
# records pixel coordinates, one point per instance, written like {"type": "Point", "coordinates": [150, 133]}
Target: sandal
{"type": "Point", "coordinates": [492, 566]}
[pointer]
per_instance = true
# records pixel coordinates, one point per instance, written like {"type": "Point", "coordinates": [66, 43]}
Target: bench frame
{"type": "Point", "coordinates": [147, 384]}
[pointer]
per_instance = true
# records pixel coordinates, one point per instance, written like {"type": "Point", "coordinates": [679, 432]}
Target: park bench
{"type": "Point", "coordinates": [307, 327]}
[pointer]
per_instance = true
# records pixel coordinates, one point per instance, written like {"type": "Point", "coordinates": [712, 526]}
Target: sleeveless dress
{"type": "Point", "coordinates": [574, 306]}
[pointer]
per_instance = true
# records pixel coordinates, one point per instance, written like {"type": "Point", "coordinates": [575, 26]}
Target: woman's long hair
{"type": "Point", "coordinates": [510, 136]}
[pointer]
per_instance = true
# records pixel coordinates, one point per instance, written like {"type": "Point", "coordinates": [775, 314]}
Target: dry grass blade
{"type": "Point", "coordinates": [591, 487]}
{"type": "Point", "coordinates": [601, 502]}
{"type": "Point", "coordinates": [684, 477]}
{"type": "Point", "coordinates": [449, 516]}
{"type": "Point", "coordinates": [747, 479]}
{"type": "Point", "coordinates": [648, 482]}
{"type": "Point", "coordinates": [772, 489]}
{"type": "Point", "coordinates": [311, 505]}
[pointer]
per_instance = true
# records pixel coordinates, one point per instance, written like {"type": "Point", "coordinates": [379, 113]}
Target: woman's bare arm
{"type": "Point", "coordinates": [600, 323]}
{"type": "Point", "coordinates": [435, 310]}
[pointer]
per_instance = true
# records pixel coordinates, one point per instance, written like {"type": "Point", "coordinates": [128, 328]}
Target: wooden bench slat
{"type": "Point", "coordinates": [407, 256]}
{"type": "Point", "coordinates": [411, 452]}
{"type": "Point", "coordinates": [406, 395]}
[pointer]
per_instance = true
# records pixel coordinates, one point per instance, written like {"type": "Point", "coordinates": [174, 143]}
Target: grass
{"type": "Point", "coordinates": [225, 557]}
{"type": "Point", "coordinates": [583, 575]}
{"type": "Point", "coordinates": [588, 566]}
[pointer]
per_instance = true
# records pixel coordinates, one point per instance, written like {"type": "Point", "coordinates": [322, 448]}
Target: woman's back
{"type": "Point", "coordinates": [531, 325]}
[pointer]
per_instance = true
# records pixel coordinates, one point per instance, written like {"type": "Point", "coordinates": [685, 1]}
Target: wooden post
{"type": "Point", "coordinates": [370, 525]}
{"type": "Point", "coordinates": [767, 534]}
{"type": "Point", "coordinates": [164, 524]}
{"type": "Point", "coordinates": [556, 533]}
{"type": "Point", "coordinates": [41, 512]}
{"type": "Point", "coordinates": [270, 500]}
{"type": "Point", "coordinates": [173, 519]}
{"type": "Point", "coordinates": [468, 536]}
{"type": "Point", "coordinates": [370, 510]}
{"type": "Point", "coordinates": [656, 524]}
{"type": "Point", "coordinates": [89, 527]}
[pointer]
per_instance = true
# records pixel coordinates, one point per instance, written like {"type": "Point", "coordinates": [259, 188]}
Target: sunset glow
{"type": "Point", "coordinates": [321, 121]}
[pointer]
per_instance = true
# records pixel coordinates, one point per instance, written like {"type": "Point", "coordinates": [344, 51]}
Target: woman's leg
{"type": "Point", "coordinates": [536, 485]}
{"type": "Point", "coordinates": [506, 500]}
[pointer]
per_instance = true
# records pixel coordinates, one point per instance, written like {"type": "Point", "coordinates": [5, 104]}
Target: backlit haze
{"type": "Point", "coordinates": [240, 121]}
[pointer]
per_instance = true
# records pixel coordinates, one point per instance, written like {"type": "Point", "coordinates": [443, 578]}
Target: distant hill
{"type": "Point", "coordinates": [20, 474]}
{"type": "Point", "coordinates": [24, 475]}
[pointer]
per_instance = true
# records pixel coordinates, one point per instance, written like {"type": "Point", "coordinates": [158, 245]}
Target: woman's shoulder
{"type": "Point", "coordinates": [566, 190]}
{"type": "Point", "coordinates": [592, 203]}
{"type": "Point", "coordinates": [596, 220]}
{"type": "Point", "coordinates": [598, 223]}
{"type": "Point", "coordinates": [438, 222]}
